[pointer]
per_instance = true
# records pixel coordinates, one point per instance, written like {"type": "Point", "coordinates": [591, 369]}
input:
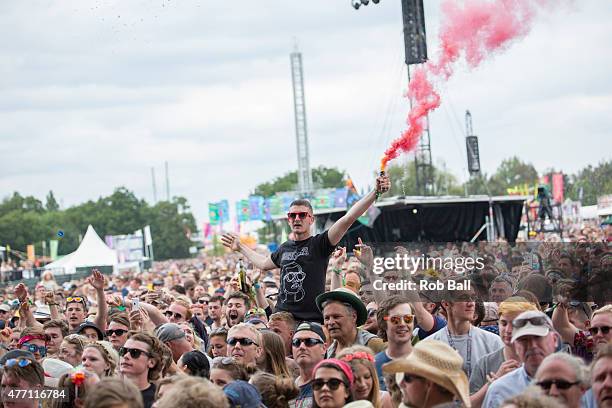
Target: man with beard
{"type": "Point", "coordinates": [303, 259]}
{"type": "Point", "coordinates": [471, 342]}
{"type": "Point", "coordinates": [236, 306]}
{"type": "Point", "coordinates": [244, 344]}
{"type": "Point", "coordinates": [308, 348]}
{"type": "Point", "coordinates": [534, 339]}
{"type": "Point", "coordinates": [396, 320]}
{"type": "Point", "coordinates": [215, 311]}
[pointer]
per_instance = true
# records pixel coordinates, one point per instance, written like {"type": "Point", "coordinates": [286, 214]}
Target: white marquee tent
{"type": "Point", "coordinates": [91, 252]}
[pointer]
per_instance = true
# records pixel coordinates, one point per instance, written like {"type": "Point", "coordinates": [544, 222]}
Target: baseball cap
{"type": "Point", "coordinates": [531, 323]}
{"type": "Point", "coordinates": [5, 308]}
{"type": "Point", "coordinates": [168, 332]}
{"type": "Point", "coordinates": [313, 327]}
{"type": "Point", "coordinates": [242, 394]}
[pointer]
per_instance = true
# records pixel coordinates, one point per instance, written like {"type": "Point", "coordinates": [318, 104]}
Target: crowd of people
{"type": "Point", "coordinates": [307, 327]}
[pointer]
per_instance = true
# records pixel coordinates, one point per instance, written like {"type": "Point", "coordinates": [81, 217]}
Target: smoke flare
{"type": "Point", "coordinates": [474, 29]}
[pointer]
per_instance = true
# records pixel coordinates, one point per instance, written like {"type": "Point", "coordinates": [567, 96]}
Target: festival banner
{"type": "Point", "coordinates": [31, 253]}
{"type": "Point", "coordinates": [256, 208]}
{"type": "Point", "coordinates": [340, 197]}
{"type": "Point", "coordinates": [557, 190]}
{"type": "Point", "coordinates": [213, 213]}
{"type": "Point", "coordinates": [223, 206]}
{"type": "Point", "coordinates": [243, 210]}
{"type": "Point", "coordinates": [53, 245]}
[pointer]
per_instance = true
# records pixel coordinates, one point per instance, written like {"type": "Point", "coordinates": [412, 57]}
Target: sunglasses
{"type": "Point", "coordinates": [21, 362]}
{"type": "Point", "coordinates": [134, 353]}
{"type": "Point", "coordinates": [33, 348]}
{"type": "Point", "coordinates": [232, 341]}
{"type": "Point", "coordinates": [301, 215]}
{"type": "Point", "coordinates": [397, 319]}
{"type": "Point", "coordinates": [116, 332]}
{"type": "Point", "coordinates": [307, 342]}
{"type": "Point", "coordinates": [169, 315]}
{"type": "Point", "coordinates": [203, 301]}
{"type": "Point", "coordinates": [604, 330]}
{"type": "Point", "coordinates": [371, 312]}
{"type": "Point", "coordinates": [333, 384]}
{"type": "Point", "coordinates": [78, 299]}
{"type": "Point", "coordinates": [560, 384]}
{"type": "Point", "coordinates": [536, 321]}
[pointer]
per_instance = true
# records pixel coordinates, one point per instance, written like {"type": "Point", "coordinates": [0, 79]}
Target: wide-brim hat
{"type": "Point", "coordinates": [344, 295]}
{"type": "Point", "coordinates": [437, 362]}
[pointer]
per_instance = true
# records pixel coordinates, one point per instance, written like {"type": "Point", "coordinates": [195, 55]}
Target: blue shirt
{"type": "Point", "coordinates": [505, 387]}
{"type": "Point", "coordinates": [381, 359]}
{"type": "Point", "coordinates": [439, 323]}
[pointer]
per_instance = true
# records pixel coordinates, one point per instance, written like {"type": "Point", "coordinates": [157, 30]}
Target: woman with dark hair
{"type": "Point", "coordinates": [194, 363]}
{"type": "Point", "coordinates": [276, 392]}
{"type": "Point", "coordinates": [225, 370]}
{"type": "Point", "coordinates": [217, 346]}
{"type": "Point", "coordinates": [332, 383]}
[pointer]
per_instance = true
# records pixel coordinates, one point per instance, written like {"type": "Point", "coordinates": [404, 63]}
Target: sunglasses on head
{"type": "Point", "coordinates": [116, 332]}
{"type": "Point", "coordinates": [169, 314]}
{"type": "Point", "coordinates": [333, 384]}
{"type": "Point", "coordinates": [536, 321]}
{"type": "Point", "coordinates": [33, 348]}
{"type": "Point", "coordinates": [244, 341]}
{"type": "Point", "coordinates": [77, 299]}
{"type": "Point", "coordinates": [21, 362]}
{"type": "Point", "coordinates": [134, 353]}
{"type": "Point", "coordinates": [397, 319]}
{"type": "Point", "coordinates": [301, 215]}
{"type": "Point", "coordinates": [604, 330]}
{"type": "Point", "coordinates": [560, 384]}
{"type": "Point", "coordinates": [307, 342]}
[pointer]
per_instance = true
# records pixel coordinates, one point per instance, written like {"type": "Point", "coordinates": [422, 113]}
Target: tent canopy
{"type": "Point", "coordinates": [91, 252]}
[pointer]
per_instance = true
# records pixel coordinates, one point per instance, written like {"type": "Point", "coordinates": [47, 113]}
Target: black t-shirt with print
{"type": "Point", "coordinates": [303, 267]}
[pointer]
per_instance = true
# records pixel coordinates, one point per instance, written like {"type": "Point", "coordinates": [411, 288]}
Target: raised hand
{"type": "Point", "coordinates": [21, 292]}
{"type": "Point", "coordinates": [364, 253]}
{"type": "Point", "coordinates": [383, 184]}
{"type": "Point", "coordinates": [49, 297]}
{"type": "Point", "coordinates": [96, 279]}
{"type": "Point", "coordinates": [231, 241]}
{"type": "Point", "coordinates": [338, 257]}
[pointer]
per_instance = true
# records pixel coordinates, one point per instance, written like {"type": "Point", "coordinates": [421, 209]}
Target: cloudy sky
{"type": "Point", "coordinates": [95, 93]}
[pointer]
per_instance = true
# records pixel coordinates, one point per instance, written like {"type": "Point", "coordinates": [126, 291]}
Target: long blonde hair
{"type": "Point", "coordinates": [355, 355]}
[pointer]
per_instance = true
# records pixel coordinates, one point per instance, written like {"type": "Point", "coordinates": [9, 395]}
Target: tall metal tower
{"type": "Point", "coordinates": [301, 132]}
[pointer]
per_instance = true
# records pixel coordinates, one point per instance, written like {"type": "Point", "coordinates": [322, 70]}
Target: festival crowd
{"type": "Point", "coordinates": [306, 327]}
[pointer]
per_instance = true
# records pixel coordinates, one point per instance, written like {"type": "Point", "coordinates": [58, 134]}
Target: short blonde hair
{"type": "Point", "coordinates": [193, 392]}
{"type": "Point", "coordinates": [253, 330]}
{"type": "Point", "coordinates": [515, 305]}
{"type": "Point", "coordinates": [602, 310]}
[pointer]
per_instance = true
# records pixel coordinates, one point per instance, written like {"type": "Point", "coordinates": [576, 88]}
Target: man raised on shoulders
{"type": "Point", "coordinates": [303, 259]}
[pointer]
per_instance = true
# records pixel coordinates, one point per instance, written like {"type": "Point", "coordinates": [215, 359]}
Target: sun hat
{"type": "Point", "coordinates": [437, 362]}
{"type": "Point", "coordinates": [344, 295]}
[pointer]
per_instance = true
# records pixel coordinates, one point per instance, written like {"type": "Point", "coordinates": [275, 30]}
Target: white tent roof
{"type": "Point", "coordinates": [91, 252]}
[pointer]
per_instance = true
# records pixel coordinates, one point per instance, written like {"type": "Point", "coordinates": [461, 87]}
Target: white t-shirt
{"type": "Point", "coordinates": [483, 343]}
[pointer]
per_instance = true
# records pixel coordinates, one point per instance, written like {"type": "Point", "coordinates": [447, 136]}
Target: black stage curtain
{"type": "Point", "coordinates": [430, 223]}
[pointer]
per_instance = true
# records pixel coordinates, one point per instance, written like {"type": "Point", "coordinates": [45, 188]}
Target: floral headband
{"type": "Point", "coordinates": [360, 355]}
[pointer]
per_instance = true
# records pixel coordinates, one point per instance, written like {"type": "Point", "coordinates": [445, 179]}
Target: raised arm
{"type": "Point", "coordinates": [562, 324]}
{"type": "Point", "coordinates": [337, 231]}
{"type": "Point", "coordinates": [97, 281]}
{"type": "Point", "coordinates": [26, 317]}
{"type": "Point", "coordinates": [337, 259]}
{"type": "Point", "coordinates": [232, 241]}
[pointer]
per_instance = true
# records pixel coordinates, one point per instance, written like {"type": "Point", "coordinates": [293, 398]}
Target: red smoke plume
{"type": "Point", "coordinates": [473, 29]}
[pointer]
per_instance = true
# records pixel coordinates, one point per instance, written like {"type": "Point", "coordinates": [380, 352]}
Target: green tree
{"type": "Point", "coordinates": [510, 173]}
{"type": "Point", "coordinates": [170, 229]}
{"type": "Point", "coordinates": [403, 180]}
{"type": "Point", "coordinates": [322, 177]}
{"type": "Point", "coordinates": [51, 204]}
{"type": "Point", "coordinates": [593, 181]}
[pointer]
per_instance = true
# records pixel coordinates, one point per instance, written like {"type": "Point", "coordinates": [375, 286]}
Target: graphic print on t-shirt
{"type": "Point", "coordinates": [292, 284]}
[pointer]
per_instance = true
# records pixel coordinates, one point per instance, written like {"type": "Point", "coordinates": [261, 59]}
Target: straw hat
{"type": "Point", "coordinates": [437, 362]}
